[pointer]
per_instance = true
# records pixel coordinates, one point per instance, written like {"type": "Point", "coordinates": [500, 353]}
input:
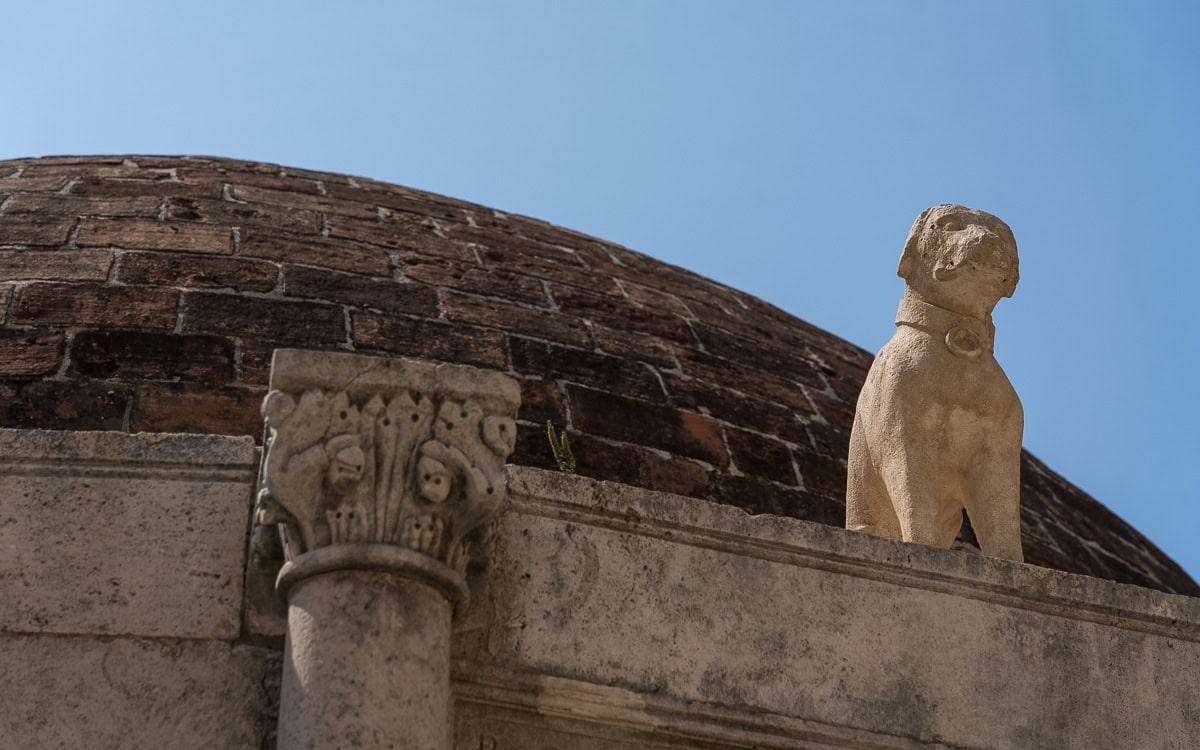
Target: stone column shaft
{"type": "Point", "coordinates": [377, 473]}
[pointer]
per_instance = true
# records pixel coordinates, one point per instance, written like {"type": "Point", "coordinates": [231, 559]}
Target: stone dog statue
{"type": "Point", "coordinates": [938, 426]}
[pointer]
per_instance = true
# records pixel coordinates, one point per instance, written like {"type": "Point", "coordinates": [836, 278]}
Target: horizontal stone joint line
{"type": "Point", "coordinates": [117, 469]}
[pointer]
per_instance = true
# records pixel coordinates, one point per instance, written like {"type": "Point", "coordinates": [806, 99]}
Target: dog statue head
{"type": "Point", "coordinates": [961, 259]}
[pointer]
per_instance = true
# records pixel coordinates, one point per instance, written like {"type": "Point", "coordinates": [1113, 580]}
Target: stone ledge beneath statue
{"type": "Point", "coordinates": [694, 604]}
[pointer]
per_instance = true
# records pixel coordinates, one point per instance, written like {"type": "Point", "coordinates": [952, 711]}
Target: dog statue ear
{"type": "Point", "coordinates": [908, 258]}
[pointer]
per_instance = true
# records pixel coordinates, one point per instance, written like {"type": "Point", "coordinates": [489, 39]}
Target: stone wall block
{"type": "Point", "coordinates": [115, 534]}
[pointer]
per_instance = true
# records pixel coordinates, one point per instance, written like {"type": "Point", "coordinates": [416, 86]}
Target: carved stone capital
{"type": "Point", "coordinates": [398, 458]}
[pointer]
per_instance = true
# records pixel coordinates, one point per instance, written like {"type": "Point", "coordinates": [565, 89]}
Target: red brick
{"type": "Point", "coordinates": [52, 204]}
{"type": "Point", "coordinates": [62, 405]}
{"type": "Point", "coordinates": [55, 265]}
{"type": "Point", "coordinates": [616, 311]}
{"type": "Point", "coordinates": [823, 475]}
{"type": "Point", "coordinates": [197, 271]}
{"type": "Point", "coordinates": [361, 291]}
{"type": "Point", "coordinates": [533, 447]}
{"type": "Point", "coordinates": [431, 339]}
{"type": "Point", "coordinates": [219, 177]}
{"type": "Point", "coordinates": [541, 400]}
{"type": "Point", "coordinates": [760, 456]}
{"type": "Point", "coordinates": [614, 374]}
{"type": "Point", "coordinates": [399, 198]}
{"type": "Point", "coordinates": [738, 409]}
{"type": "Point", "coordinates": [152, 356]}
{"type": "Point", "coordinates": [33, 183]}
{"type": "Point", "coordinates": [469, 277]}
{"type": "Point", "coordinates": [643, 423]}
{"type": "Point", "coordinates": [640, 346]}
{"type": "Point", "coordinates": [316, 251]}
{"type": "Point", "coordinates": [155, 235]}
{"type": "Point", "coordinates": [661, 301]}
{"type": "Point", "coordinates": [465, 308]}
{"type": "Point", "coordinates": [730, 374]}
{"type": "Point", "coordinates": [415, 234]}
{"type": "Point", "coordinates": [33, 352]}
{"type": "Point", "coordinates": [42, 230]}
{"type": "Point", "coordinates": [760, 496]}
{"type": "Point", "coordinates": [303, 201]}
{"type": "Point", "coordinates": [91, 185]}
{"type": "Point", "coordinates": [180, 407]}
{"type": "Point", "coordinates": [566, 270]}
{"type": "Point", "coordinates": [676, 475]}
{"type": "Point", "coordinates": [271, 219]}
{"type": "Point", "coordinates": [87, 305]}
{"type": "Point", "coordinates": [602, 460]}
{"type": "Point", "coordinates": [272, 322]}
{"type": "Point", "coordinates": [790, 363]}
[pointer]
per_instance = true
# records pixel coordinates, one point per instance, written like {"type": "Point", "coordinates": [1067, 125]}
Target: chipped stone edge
{"type": "Point", "coordinates": [791, 541]}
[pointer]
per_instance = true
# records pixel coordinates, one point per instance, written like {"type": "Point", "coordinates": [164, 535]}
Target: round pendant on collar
{"type": "Point", "coordinates": [964, 342]}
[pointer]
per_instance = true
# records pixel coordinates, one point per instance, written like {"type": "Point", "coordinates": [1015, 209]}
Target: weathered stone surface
{"type": "Point", "coordinates": [126, 693]}
{"type": "Point", "coordinates": [115, 534]}
{"type": "Point", "coordinates": [938, 426]}
{"type": "Point", "coordinates": [699, 610]}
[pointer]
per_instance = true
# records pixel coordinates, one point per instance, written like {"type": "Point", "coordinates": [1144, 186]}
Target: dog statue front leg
{"type": "Point", "coordinates": [916, 497]}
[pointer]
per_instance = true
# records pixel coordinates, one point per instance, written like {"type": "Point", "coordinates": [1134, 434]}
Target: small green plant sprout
{"type": "Point", "coordinates": [561, 446]}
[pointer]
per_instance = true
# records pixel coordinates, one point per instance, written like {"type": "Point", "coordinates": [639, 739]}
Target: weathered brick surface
{"type": "Point", "coordinates": [471, 278]}
{"type": "Point", "coordinates": [25, 230]}
{"type": "Point", "coordinates": [761, 456]}
{"type": "Point", "coordinates": [62, 405]}
{"type": "Point", "coordinates": [315, 251]}
{"type": "Point", "coordinates": [182, 407]}
{"type": "Point", "coordinates": [30, 352]}
{"type": "Point", "coordinates": [543, 324]}
{"type": "Point", "coordinates": [142, 355]}
{"type": "Point", "coordinates": [197, 271]}
{"type": "Point", "coordinates": [360, 291]}
{"type": "Point", "coordinates": [418, 337]}
{"type": "Point", "coordinates": [643, 423]}
{"type": "Point", "coordinates": [86, 304]}
{"type": "Point", "coordinates": [666, 380]}
{"type": "Point", "coordinates": [612, 374]}
{"type": "Point", "coordinates": [55, 265]}
{"type": "Point", "coordinates": [283, 322]}
{"type": "Point", "coordinates": [153, 235]}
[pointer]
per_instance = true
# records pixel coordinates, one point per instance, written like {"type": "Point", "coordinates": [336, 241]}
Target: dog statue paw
{"type": "Point", "coordinates": [938, 426]}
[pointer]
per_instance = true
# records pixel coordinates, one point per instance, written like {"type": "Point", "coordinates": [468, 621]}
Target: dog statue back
{"type": "Point", "coordinates": [938, 426]}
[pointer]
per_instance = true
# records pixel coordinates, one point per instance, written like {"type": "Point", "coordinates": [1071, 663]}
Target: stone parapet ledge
{"type": "Point", "coordinates": [619, 617]}
{"type": "Point", "coordinates": [378, 473]}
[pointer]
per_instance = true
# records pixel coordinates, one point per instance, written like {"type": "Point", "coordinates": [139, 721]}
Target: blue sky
{"type": "Point", "coordinates": [782, 148]}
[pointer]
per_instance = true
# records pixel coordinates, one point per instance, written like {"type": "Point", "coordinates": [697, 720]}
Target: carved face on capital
{"type": "Point", "coordinates": [960, 258]}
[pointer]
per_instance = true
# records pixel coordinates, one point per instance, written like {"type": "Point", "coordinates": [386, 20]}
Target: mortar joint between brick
{"type": "Point", "coordinates": [796, 468]}
{"type": "Point", "coordinates": [73, 236]}
{"type": "Point", "coordinates": [324, 219]}
{"type": "Point", "coordinates": [127, 417]}
{"type": "Point", "coordinates": [470, 216]}
{"type": "Point", "coordinates": [568, 407]}
{"type": "Point", "coordinates": [321, 188]}
{"type": "Point", "coordinates": [180, 309]}
{"type": "Point", "coordinates": [235, 239]}
{"type": "Point", "coordinates": [238, 352]}
{"type": "Point", "coordinates": [164, 208]}
{"type": "Point", "coordinates": [65, 189]}
{"type": "Point", "coordinates": [474, 248]}
{"type": "Point", "coordinates": [118, 261]}
{"type": "Point", "coordinates": [349, 328]}
{"type": "Point", "coordinates": [4, 201]}
{"type": "Point", "coordinates": [65, 364]}
{"type": "Point", "coordinates": [550, 301]}
{"type": "Point", "coordinates": [227, 194]}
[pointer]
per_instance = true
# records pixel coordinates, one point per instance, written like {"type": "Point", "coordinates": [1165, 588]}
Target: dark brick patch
{"type": "Point", "coordinates": [30, 352]}
{"type": "Point", "coordinates": [55, 265]}
{"type": "Point", "coordinates": [760, 456]}
{"type": "Point", "coordinates": [490, 313]}
{"type": "Point", "coordinates": [273, 321]}
{"type": "Point", "coordinates": [614, 374]}
{"type": "Point", "coordinates": [418, 337]}
{"type": "Point", "coordinates": [758, 496]}
{"type": "Point", "coordinates": [197, 271]}
{"type": "Point", "coordinates": [640, 422]}
{"type": "Point", "coordinates": [87, 305]}
{"type": "Point", "coordinates": [139, 355]}
{"type": "Point", "coordinates": [360, 291]}
{"type": "Point", "coordinates": [315, 251]}
{"type": "Point", "coordinates": [153, 235]}
{"type": "Point", "coordinates": [62, 405]}
{"type": "Point", "coordinates": [182, 407]}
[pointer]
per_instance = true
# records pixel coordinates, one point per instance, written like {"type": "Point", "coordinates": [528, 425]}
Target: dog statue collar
{"type": "Point", "coordinates": [965, 336]}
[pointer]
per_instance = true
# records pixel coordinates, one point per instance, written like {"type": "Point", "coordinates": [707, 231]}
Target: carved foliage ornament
{"type": "Point", "coordinates": [403, 453]}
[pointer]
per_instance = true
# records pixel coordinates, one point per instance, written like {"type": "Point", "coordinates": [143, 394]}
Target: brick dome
{"type": "Point", "coordinates": [147, 294]}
